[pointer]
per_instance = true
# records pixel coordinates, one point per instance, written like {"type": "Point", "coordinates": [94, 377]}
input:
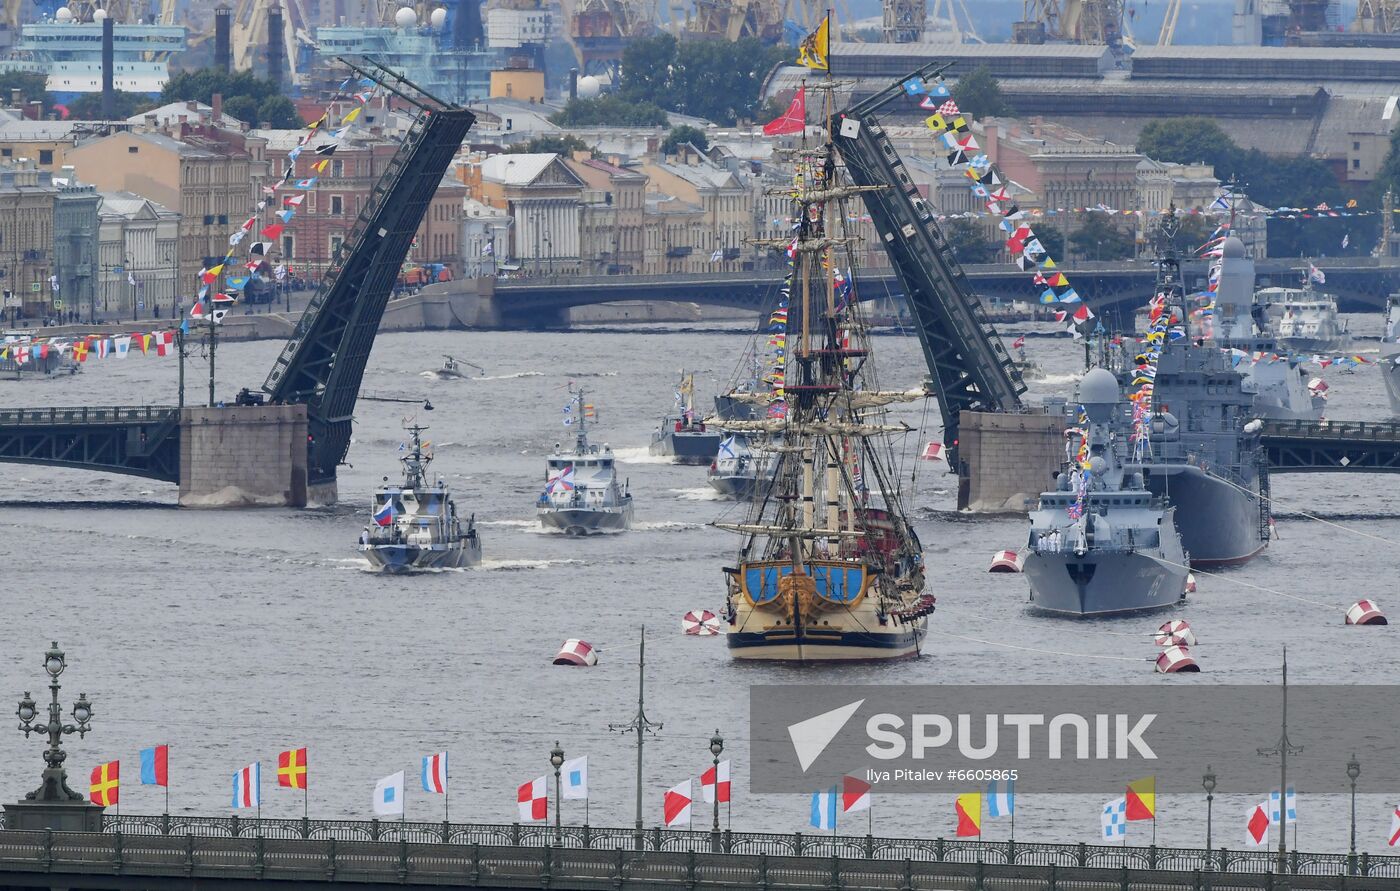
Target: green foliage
{"type": "Point", "coordinates": [201, 85]}
{"type": "Point", "coordinates": [979, 94]}
{"type": "Point", "coordinates": [712, 79]}
{"type": "Point", "coordinates": [1388, 178]}
{"type": "Point", "coordinates": [969, 242]}
{"type": "Point", "coordinates": [1100, 238]}
{"type": "Point", "coordinates": [1193, 230]}
{"type": "Point", "coordinates": [683, 135]}
{"type": "Point", "coordinates": [609, 111]}
{"type": "Point", "coordinates": [245, 108]}
{"type": "Point", "coordinates": [1188, 141]}
{"type": "Point", "coordinates": [1051, 238]}
{"type": "Point", "coordinates": [561, 145]}
{"type": "Point", "coordinates": [88, 107]}
{"type": "Point", "coordinates": [33, 86]}
{"type": "Point", "coordinates": [280, 113]}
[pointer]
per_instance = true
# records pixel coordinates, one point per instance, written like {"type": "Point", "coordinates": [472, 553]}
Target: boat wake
{"type": "Point", "coordinates": [509, 377]}
{"type": "Point", "coordinates": [665, 526]}
{"type": "Point", "coordinates": [521, 565]}
{"type": "Point", "coordinates": [640, 455]}
{"type": "Point", "coordinates": [703, 493]}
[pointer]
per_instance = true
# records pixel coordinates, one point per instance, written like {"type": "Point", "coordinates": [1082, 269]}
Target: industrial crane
{"type": "Point", "coordinates": [1096, 22]}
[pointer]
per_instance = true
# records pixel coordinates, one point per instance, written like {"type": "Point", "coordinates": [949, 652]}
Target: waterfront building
{"type": "Point", "coordinates": [27, 235]}
{"type": "Point", "coordinates": [543, 196]}
{"type": "Point", "coordinates": [485, 239]}
{"type": "Point", "coordinates": [75, 227]}
{"type": "Point", "coordinates": [613, 222]}
{"type": "Point", "coordinates": [137, 245]}
{"type": "Point", "coordinates": [725, 197]}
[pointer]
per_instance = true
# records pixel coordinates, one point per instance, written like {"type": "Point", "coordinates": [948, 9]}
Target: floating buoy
{"type": "Point", "coordinates": [576, 652]}
{"type": "Point", "coordinates": [1190, 583]}
{"type": "Point", "coordinates": [1318, 387]}
{"type": "Point", "coordinates": [1175, 660]}
{"type": "Point", "coordinates": [700, 622]}
{"type": "Point", "coordinates": [1006, 561]}
{"type": "Point", "coordinates": [933, 452]}
{"type": "Point", "coordinates": [1176, 633]}
{"type": "Point", "coordinates": [1366, 612]}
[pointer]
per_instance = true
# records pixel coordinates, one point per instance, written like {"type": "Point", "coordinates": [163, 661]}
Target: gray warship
{"type": "Point", "coordinates": [414, 526]}
{"type": "Point", "coordinates": [1101, 543]}
{"type": "Point", "coordinates": [686, 438]}
{"type": "Point", "coordinates": [738, 472]}
{"type": "Point", "coordinates": [1306, 320]}
{"type": "Point", "coordinates": [1241, 326]}
{"type": "Point", "coordinates": [582, 495]}
{"type": "Point", "coordinates": [1211, 466]}
{"type": "Point", "coordinates": [1389, 359]}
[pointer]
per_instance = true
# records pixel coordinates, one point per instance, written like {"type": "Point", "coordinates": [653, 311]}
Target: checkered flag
{"type": "Point", "coordinates": [948, 108]}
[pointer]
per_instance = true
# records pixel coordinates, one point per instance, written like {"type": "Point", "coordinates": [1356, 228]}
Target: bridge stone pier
{"type": "Point", "coordinates": [1007, 460]}
{"type": "Point", "coordinates": [244, 456]}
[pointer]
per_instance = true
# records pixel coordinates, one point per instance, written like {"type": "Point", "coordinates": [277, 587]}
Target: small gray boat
{"type": "Point", "coordinates": [686, 439]}
{"type": "Point", "coordinates": [582, 495]}
{"type": "Point", "coordinates": [739, 473]}
{"type": "Point", "coordinates": [415, 527]}
{"type": "Point", "coordinates": [1101, 543]}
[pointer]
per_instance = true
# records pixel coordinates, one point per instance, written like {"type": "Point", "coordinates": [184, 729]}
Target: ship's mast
{"type": "Point", "coordinates": [581, 441]}
{"type": "Point", "coordinates": [415, 463]}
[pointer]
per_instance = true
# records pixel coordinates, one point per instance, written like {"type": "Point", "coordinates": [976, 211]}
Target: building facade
{"type": "Point", "coordinates": [75, 262]}
{"type": "Point", "coordinates": [27, 199]}
{"type": "Point", "coordinates": [137, 245]}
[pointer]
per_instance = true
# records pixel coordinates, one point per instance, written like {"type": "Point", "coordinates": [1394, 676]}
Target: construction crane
{"type": "Point", "coordinates": [1093, 22]}
{"type": "Point", "coordinates": [250, 32]}
{"type": "Point", "coordinates": [1377, 17]}
{"type": "Point", "coordinates": [736, 19]}
{"type": "Point", "coordinates": [599, 29]}
{"type": "Point", "coordinates": [1168, 32]}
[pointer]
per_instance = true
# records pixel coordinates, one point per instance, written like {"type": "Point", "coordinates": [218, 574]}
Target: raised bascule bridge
{"type": "Point", "coordinates": [286, 451]}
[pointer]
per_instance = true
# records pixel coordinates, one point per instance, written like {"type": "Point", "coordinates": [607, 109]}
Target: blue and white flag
{"type": "Point", "coordinates": [1001, 802]}
{"type": "Point", "coordinates": [726, 447]}
{"type": "Point", "coordinates": [1114, 819]}
{"type": "Point", "coordinates": [573, 778]}
{"type": "Point", "coordinates": [435, 773]}
{"type": "Point", "coordinates": [824, 805]}
{"type": "Point", "coordinates": [388, 796]}
{"type": "Point", "coordinates": [1292, 806]}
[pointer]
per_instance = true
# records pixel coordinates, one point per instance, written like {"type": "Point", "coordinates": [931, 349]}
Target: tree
{"type": "Point", "coordinates": [245, 108]}
{"type": "Point", "coordinates": [1100, 238]}
{"type": "Point", "coordinates": [280, 113]}
{"type": "Point", "coordinates": [31, 86]}
{"type": "Point", "coordinates": [1188, 141]}
{"type": "Point", "coordinates": [712, 79]}
{"type": "Point", "coordinates": [979, 94]}
{"type": "Point", "coordinates": [609, 111]}
{"type": "Point", "coordinates": [969, 241]}
{"type": "Point", "coordinates": [88, 107]}
{"type": "Point", "coordinates": [684, 135]}
{"type": "Point", "coordinates": [1051, 238]}
{"type": "Point", "coordinates": [559, 145]}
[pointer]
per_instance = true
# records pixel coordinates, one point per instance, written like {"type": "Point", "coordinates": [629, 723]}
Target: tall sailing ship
{"type": "Point", "coordinates": [829, 568]}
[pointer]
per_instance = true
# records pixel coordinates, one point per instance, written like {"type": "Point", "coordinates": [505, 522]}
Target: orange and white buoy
{"type": "Point", "coordinates": [1175, 633]}
{"type": "Point", "coordinates": [700, 622]}
{"type": "Point", "coordinates": [1366, 612]}
{"type": "Point", "coordinates": [933, 452]}
{"type": "Point", "coordinates": [1175, 660]}
{"type": "Point", "coordinates": [1006, 561]}
{"type": "Point", "coordinates": [576, 652]}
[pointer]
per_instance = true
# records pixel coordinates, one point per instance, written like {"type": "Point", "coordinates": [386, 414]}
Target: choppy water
{"type": "Point", "coordinates": [232, 635]}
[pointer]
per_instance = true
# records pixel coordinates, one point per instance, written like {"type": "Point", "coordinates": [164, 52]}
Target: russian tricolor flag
{"type": "Point", "coordinates": [247, 786]}
{"type": "Point", "coordinates": [435, 773]}
{"type": "Point", "coordinates": [385, 515]}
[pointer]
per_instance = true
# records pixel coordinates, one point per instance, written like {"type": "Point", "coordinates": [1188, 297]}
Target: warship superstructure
{"type": "Point", "coordinates": [1305, 320]}
{"type": "Point", "coordinates": [1101, 543]}
{"type": "Point", "coordinates": [739, 471]}
{"type": "Point", "coordinates": [686, 438]}
{"type": "Point", "coordinates": [582, 494]}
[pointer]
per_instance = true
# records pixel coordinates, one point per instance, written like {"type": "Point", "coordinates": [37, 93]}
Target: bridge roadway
{"type": "Point", "coordinates": [138, 440]}
{"type": "Point", "coordinates": [175, 852]}
{"type": "Point", "coordinates": [1122, 285]}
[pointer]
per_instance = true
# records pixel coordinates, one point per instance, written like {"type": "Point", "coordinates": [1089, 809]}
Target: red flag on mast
{"type": "Point", "coordinates": [794, 120]}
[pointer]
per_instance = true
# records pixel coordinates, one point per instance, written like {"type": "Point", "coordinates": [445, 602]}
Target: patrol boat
{"type": "Point", "coordinates": [581, 494]}
{"type": "Point", "coordinates": [738, 472]}
{"type": "Point", "coordinates": [1305, 320]}
{"type": "Point", "coordinates": [829, 568]}
{"type": "Point", "coordinates": [1101, 543]}
{"type": "Point", "coordinates": [415, 526]}
{"type": "Point", "coordinates": [1389, 360]}
{"type": "Point", "coordinates": [686, 438]}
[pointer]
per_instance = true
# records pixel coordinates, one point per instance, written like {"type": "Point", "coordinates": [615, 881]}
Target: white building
{"type": "Point", "coordinates": [137, 256]}
{"type": "Point", "coordinates": [485, 240]}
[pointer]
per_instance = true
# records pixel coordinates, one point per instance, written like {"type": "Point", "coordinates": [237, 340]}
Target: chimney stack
{"type": "Point", "coordinates": [108, 69]}
{"type": "Point", "coordinates": [216, 102]}
{"type": "Point", "coordinates": [274, 43]}
{"type": "Point", "coordinates": [573, 83]}
{"type": "Point", "coordinates": [223, 24]}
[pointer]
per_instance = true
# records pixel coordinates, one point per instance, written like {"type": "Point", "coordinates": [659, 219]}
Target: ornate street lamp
{"type": "Point", "coordinates": [1353, 771]}
{"type": "Point", "coordinates": [556, 758]}
{"type": "Point", "coordinates": [1208, 784]}
{"type": "Point", "coordinates": [716, 748]}
{"type": "Point", "coordinates": [55, 785]}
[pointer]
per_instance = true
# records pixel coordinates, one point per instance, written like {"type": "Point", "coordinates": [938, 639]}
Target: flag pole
{"type": "Point", "coordinates": [167, 780]}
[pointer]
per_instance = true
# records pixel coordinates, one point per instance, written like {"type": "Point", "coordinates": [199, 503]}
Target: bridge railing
{"type": "Point", "coordinates": [117, 414]}
{"type": "Point", "coordinates": [843, 847]}
{"type": "Point", "coordinates": [1349, 430]}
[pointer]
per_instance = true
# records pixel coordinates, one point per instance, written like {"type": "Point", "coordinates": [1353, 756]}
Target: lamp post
{"type": "Point", "coordinates": [1353, 771]}
{"type": "Point", "coordinates": [556, 758]}
{"type": "Point", "coordinates": [1208, 783]}
{"type": "Point", "coordinates": [716, 749]}
{"type": "Point", "coordinates": [55, 786]}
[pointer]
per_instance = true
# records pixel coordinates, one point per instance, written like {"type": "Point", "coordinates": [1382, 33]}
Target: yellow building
{"type": "Point", "coordinates": [518, 83]}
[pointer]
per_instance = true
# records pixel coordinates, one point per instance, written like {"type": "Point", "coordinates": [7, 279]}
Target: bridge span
{"type": "Point", "coordinates": [1360, 282]}
{"type": "Point", "coordinates": [189, 853]}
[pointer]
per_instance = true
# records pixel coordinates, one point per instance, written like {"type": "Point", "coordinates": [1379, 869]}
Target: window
{"type": "Point", "coordinates": [337, 205]}
{"type": "Point", "coordinates": [337, 168]}
{"type": "Point", "coordinates": [288, 247]}
{"type": "Point", "coordinates": [7, 153]}
{"type": "Point", "coordinates": [132, 149]}
{"type": "Point", "coordinates": [336, 242]}
{"type": "Point", "coordinates": [45, 156]}
{"type": "Point", "coordinates": [1356, 146]}
{"type": "Point", "coordinates": [1355, 163]}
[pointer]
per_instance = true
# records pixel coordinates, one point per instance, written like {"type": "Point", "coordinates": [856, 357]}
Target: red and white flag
{"type": "Point", "coordinates": [855, 794]}
{"type": "Point", "coordinates": [1395, 828]}
{"type": "Point", "coordinates": [1018, 342]}
{"type": "Point", "coordinates": [792, 121]}
{"type": "Point", "coordinates": [533, 800]}
{"type": "Point", "coordinates": [676, 804]}
{"type": "Point", "coordinates": [715, 776]}
{"type": "Point", "coordinates": [1257, 826]}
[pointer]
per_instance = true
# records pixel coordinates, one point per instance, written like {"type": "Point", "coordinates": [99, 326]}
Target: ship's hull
{"type": "Point", "coordinates": [1220, 523]}
{"type": "Point", "coordinates": [1390, 373]}
{"type": "Point", "coordinates": [587, 521]}
{"type": "Point", "coordinates": [876, 643]}
{"type": "Point", "coordinates": [1103, 583]}
{"type": "Point", "coordinates": [1334, 344]}
{"type": "Point", "coordinates": [399, 559]}
{"type": "Point", "coordinates": [730, 409]}
{"type": "Point", "coordinates": [740, 487]}
{"type": "Point", "coordinates": [687, 448]}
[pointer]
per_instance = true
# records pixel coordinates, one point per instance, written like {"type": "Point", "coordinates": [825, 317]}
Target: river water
{"type": "Point", "coordinates": [232, 635]}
